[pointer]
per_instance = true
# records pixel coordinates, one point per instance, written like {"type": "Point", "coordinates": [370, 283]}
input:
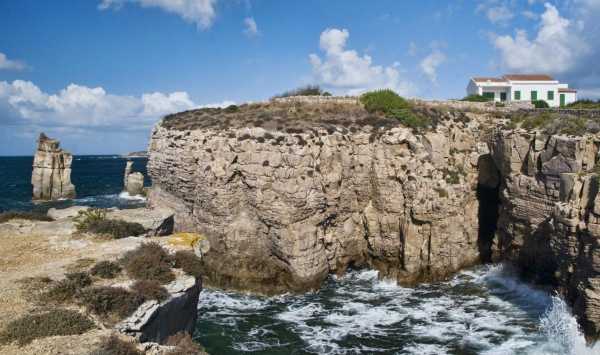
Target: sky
{"type": "Point", "coordinates": [98, 74]}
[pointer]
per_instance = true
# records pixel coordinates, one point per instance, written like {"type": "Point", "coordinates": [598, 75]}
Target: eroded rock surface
{"type": "Point", "coordinates": [133, 182]}
{"type": "Point", "coordinates": [51, 177]}
{"type": "Point", "coordinates": [549, 223]}
{"type": "Point", "coordinates": [284, 207]}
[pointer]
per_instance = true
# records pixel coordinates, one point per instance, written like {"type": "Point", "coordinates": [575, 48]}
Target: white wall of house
{"type": "Point", "coordinates": [546, 90]}
{"type": "Point", "coordinates": [569, 97]}
{"type": "Point", "coordinates": [541, 88]}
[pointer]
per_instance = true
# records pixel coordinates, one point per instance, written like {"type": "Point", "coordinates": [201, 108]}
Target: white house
{"type": "Point", "coordinates": [523, 87]}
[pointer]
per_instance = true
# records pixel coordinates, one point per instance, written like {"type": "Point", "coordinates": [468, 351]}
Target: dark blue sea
{"type": "Point", "coordinates": [98, 180]}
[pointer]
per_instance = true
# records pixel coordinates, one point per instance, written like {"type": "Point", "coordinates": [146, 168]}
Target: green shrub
{"type": "Point", "coordinates": [476, 98]}
{"type": "Point", "coordinates": [184, 345]}
{"type": "Point", "coordinates": [52, 323]}
{"type": "Point", "coordinates": [585, 104]}
{"type": "Point", "coordinates": [30, 216]}
{"type": "Point", "coordinates": [106, 269]}
{"type": "Point", "coordinates": [94, 221]}
{"type": "Point", "coordinates": [65, 290]}
{"type": "Point", "coordinates": [113, 345]}
{"type": "Point", "coordinates": [383, 101]}
{"type": "Point", "coordinates": [309, 90]}
{"type": "Point", "coordinates": [105, 301]}
{"type": "Point", "coordinates": [149, 261]}
{"type": "Point", "coordinates": [188, 262]}
{"type": "Point", "coordinates": [540, 104]}
{"type": "Point", "coordinates": [231, 109]}
{"type": "Point", "coordinates": [150, 290]}
{"type": "Point", "coordinates": [33, 287]}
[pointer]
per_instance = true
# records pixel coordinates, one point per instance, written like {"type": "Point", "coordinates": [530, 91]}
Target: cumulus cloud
{"type": "Point", "coordinates": [200, 12]}
{"type": "Point", "coordinates": [81, 107]}
{"type": "Point", "coordinates": [430, 63]}
{"type": "Point", "coordinates": [251, 29]}
{"type": "Point", "coordinates": [555, 49]}
{"type": "Point", "coordinates": [8, 64]}
{"type": "Point", "coordinates": [346, 70]}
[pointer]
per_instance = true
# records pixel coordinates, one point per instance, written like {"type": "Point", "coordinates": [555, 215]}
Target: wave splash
{"type": "Point", "coordinates": [485, 310]}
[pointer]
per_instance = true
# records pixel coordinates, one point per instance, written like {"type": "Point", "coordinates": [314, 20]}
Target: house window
{"type": "Point", "coordinates": [550, 95]}
{"type": "Point", "coordinates": [517, 95]}
{"type": "Point", "coordinates": [534, 96]}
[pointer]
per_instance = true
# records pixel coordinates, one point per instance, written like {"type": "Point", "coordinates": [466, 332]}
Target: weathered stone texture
{"type": "Point", "coordinates": [51, 177]}
{"type": "Point", "coordinates": [550, 215]}
{"type": "Point", "coordinates": [282, 210]}
{"type": "Point", "coordinates": [133, 182]}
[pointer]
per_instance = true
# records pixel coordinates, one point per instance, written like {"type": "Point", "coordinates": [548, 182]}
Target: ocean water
{"type": "Point", "coordinates": [484, 310]}
{"type": "Point", "coordinates": [98, 180]}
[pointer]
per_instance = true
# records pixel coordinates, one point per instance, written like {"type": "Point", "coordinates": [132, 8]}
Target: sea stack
{"type": "Point", "coordinates": [51, 177]}
{"type": "Point", "coordinates": [133, 182]}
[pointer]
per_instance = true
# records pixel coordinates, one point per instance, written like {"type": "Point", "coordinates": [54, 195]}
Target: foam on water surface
{"type": "Point", "coordinates": [480, 311]}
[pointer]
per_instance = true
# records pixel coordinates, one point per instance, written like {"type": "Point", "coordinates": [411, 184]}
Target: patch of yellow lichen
{"type": "Point", "coordinates": [185, 239]}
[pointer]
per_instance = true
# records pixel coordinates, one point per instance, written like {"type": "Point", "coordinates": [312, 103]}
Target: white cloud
{"type": "Point", "coordinates": [530, 15]}
{"type": "Point", "coordinates": [251, 29]}
{"type": "Point", "coordinates": [200, 12]}
{"type": "Point", "coordinates": [76, 106]}
{"type": "Point", "coordinates": [430, 64]}
{"type": "Point", "coordinates": [497, 12]}
{"type": "Point", "coordinates": [556, 48]}
{"type": "Point", "coordinates": [346, 70]}
{"type": "Point", "coordinates": [8, 64]}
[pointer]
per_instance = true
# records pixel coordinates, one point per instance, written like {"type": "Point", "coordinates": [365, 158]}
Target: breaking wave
{"type": "Point", "coordinates": [481, 311]}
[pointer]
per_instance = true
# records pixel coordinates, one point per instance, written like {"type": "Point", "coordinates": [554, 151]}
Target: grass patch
{"type": "Point", "coordinates": [29, 216]}
{"type": "Point", "coordinates": [65, 290]}
{"type": "Point", "coordinates": [109, 301]}
{"type": "Point", "coordinates": [81, 264]}
{"type": "Point", "coordinates": [52, 323]}
{"type": "Point", "coordinates": [149, 261]}
{"type": "Point", "coordinates": [540, 104]}
{"type": "Point", "coordinates": [392, 105]}
{"type": "Point", "coordinates": [476, 98]}
{"type": "Point", "coordinates": [188, 262]}
{"type": "Point", "coordinates": [33, 287]}
{"type": "Point", "coordinates": [106, 269]}
{"type": "Point", "coordinates": [309, 90]}
{"type": "Point", "coordinates": [94, 221]}
{"type": "Point", "coordinates": [184, 345]}
{"type": "Point", "coordinates": [150, 290]}
{"type": "Point", "coordinates": [113, 345]}
{"type": "Point", "coordinates": [585, 104]}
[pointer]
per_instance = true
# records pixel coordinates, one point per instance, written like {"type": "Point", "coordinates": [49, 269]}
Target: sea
{"type": "Point", "coordinates": [482, 310]}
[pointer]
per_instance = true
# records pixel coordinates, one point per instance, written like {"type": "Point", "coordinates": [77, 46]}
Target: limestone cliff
{"type": "Point", "coordinates": [289, 192]}
{"type": "Point", "coordinates": [549, 221]}
{"type": "Point", "coordinates": [51, 177]}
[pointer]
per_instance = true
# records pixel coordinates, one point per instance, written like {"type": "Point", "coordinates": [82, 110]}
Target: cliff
{"type": "Point", "coordinates": [288, 192]}
{"type": "Point", "coordinates": [549, 221]}
{"type": "Point", "coordinates": [51, 177]}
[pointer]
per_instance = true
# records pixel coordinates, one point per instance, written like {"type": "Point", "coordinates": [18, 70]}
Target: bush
{"type": "Point", "coordinates": [383, 101]}
{"type": "Point", "coordinates": [94, 221]}
{"type": "Point", "coordinates": [309, 90]}
{"type": "Point", "coordinates": [113, 345]}
{"type": "Point", "coordinates": [585, 104]}
{"type": "Point", "coordinates": [184, 345]}
{"type": "Point", "coordinates": [540, 104]}
{"type": "Point", "coordinates": [476, 98]}
{"type": "Point", "coordinates": [80, 264]}
{"type": "Point", "coordinates": [188, 262]}
{"type": "Point", "coordinates": [65, 290]}
{"type": "Point", "coordinates": [30, 216]}
{"type": "Point", "coordinates": [105, 301]}
{"type": "Point", "coordinates": [106, 269]}
{"type": "Point", "coordinates": [52, 323]}
{"type": "Point", "coordinates": [149, 261]}
{"type": "Point", "coordinates": [150, 290]}
{"type": "Point", "coordinates": [231, 109]}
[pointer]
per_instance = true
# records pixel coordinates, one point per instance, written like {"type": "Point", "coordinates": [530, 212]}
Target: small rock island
{"type": "Point", "coordinates": [51, 177]}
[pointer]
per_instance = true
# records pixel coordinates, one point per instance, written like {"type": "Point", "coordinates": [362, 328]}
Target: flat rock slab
{"type": "Point", "coordinates": [157, 221]}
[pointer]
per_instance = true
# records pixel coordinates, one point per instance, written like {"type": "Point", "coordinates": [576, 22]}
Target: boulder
{"type": "Point", "coordinates": [133, 181]}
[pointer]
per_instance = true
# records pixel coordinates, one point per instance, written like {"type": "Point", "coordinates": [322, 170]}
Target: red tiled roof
{"type": "Point", "coordinates": [528, 77]}
{"type": "Point", "coordinates": [482, 79]}
{"type": "Point", "coordinates": [566, 90]}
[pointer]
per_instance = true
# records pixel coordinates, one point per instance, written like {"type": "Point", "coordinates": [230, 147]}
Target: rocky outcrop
{"type": "Point", "coordinates": [133, 182]}
{"type": "Point", "coordinates": [155, 321]}
{"type": "Point", "coordinates": [549, 221]}
{"type": "Point", "coordinates": [291, 200]}
{"type": "Point", "coordinates": [51, 177]}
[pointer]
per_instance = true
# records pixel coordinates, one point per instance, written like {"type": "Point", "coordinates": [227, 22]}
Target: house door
{"type": "Point", "coordinates": [562, 100]}
{"type": "Point", "coordinates": [534, 96]}
{"type": "Point", "coordinates": [502, 96]}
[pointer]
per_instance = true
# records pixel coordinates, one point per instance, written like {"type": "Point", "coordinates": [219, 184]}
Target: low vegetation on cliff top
{"type": "Point", "coordinates": [30, 216]}
{"type": "Point", "coordinates": [374, 111]}
{"type": "Point", "coordinates": [95, 221]}
{"type": "Point", "coordinates": [555, 123]}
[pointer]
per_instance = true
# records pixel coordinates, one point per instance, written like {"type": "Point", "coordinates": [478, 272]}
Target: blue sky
{"type": "Point", "coordinates": [97, 74]}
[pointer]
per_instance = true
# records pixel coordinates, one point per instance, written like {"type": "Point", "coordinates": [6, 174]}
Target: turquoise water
{"type": "Point", "coordinates": [481, 311]}
{"type": "Point", "coordinates": [98, 180]}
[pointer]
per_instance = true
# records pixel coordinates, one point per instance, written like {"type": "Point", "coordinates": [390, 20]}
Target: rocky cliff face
{"type": "Point", "coordinates": [310, 190]}
{"type": "Point", "coordinates": [549, 222]}
{"type": "Point", "coordinates": [51, 177]}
